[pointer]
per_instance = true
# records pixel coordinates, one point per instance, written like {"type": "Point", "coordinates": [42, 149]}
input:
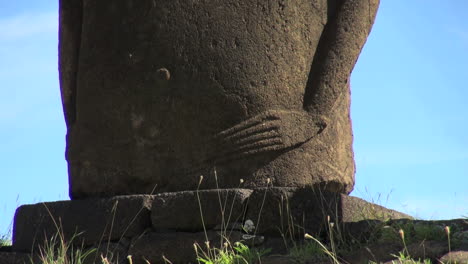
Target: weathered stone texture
{"type": "Point", "coordinates": [114, 252]}
{"type": "Point", "coordinates": [156, 93]}
{"type": "Point", "coordinates": [93, 219]}
{"type": "Point", "coordinates": [276, 206]}
{"type": "Point", "coordinates": [456, 257]}
{"type": "Point", "coordinates": [310, 208]}
{"type": "Point", "coordinates": [178, 247]}
{"type": "Point", "coordinates": [427, 249]}
{"type": "Point", "coordinates": [280, 209]}
{"type": "Point", "coordinates": [14, 257]}
{"type": "Point", "coordinates": [181, 210]}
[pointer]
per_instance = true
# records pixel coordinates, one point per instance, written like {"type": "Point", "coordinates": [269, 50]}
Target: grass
{"type": "Point", "coordinates": [4, 241]}
{"type": "Point", "coordinates": [59, 251]}
{"type": "Point", "coordinates": [421, 233]}
{"type": "Point", "coordinates": [306, 251]}
{"type": "Point", "coordinates": [239, 253]}
{"type": "Point", "coordinates": [384, 230]}
{"type": "Point", "coordinates": [402, 258]}
{"type": "Point", "coordinates": [229, 252]}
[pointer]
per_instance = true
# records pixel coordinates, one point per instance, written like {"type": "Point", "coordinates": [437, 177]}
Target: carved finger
{"type": "Point", "coordinates": [251, 148]}
{"type": "Point", "coordinates": [252, 151]}
{"type": "Point", "coordinates": [256, 120]}
{"type": "Point", "coordinates": [261, 144]}
{"type": "Point", "coordinates": [255, 137]}
{"type": "Point", "coordinates": [263, 149]}
{"type": "Point", "coordinates": [241, 152]}
{"type": "Point", "coordinates": [264, 127]}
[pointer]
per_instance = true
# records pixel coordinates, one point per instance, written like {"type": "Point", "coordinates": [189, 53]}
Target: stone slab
{"type": "Point", "coordinates": [115, 253]}
{"type": "Point", "coordinates": [289, 259]}
{"type": "Point", "coordinates": [94, 219]}
{"type": "Point", "coordinates": [181, 210]}
{"type": "Point", "coordinates": [178, 247]}
{"type": "Point", "coordinates": [14, 258]}
{"type": "Point", "coordinates": [455, 257]}
{"type": "Point", "coordinates": [309, 210]}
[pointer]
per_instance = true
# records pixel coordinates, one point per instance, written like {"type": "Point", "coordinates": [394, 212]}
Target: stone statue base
{"type": "Point", "coordinates": [168, 224]}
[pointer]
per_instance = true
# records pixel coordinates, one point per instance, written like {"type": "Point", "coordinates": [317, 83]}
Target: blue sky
{"type": "Point", "coordinates": [409, 109]}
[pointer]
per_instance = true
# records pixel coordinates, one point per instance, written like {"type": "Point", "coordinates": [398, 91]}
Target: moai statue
{"type": "Point", "coordinates": [159, 92]}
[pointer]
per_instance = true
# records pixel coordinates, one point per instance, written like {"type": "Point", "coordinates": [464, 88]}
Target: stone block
{"type": "Point", "coordinates": [378, 253]}
{"type": "Point", "coordinates": [94, 220]}
{"type": "Point", "coordinates": [181, 210]}
{"type": "Point", "coordinates": [427, 249]}
{"type": "Point", "coordinates": [178, 247]}
{"type": "Point", "coordinates": [14, 258]}
{"type": "Point", "coordinates": [455, 257]}
{"type": "Point", "coordinates": [114, 252]}
{"type": "Point", "coordinates": [288, 259]}
{"type": "Point", "coordinates": [277, 210]}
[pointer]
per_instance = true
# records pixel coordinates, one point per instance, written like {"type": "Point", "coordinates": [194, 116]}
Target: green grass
{"type": "Point", "coordinates": [331, 245]}
{"type": "Point", "coordinates": [58, 251]}
{"type": "Point", "coordinates": [307, 251]}
{"type": "Point", "coordinates": [5, 240]}
{"type": "Point", "coordinates": [338, 241]}
{"type": "Point", "coordinates": [403, 259]}
{"type": "Point", "coordinates": [239, 253]}
{"type": "Point", "coordinates": [419, 232]}
{"type": "Point", "coordinates": [229, 252]}
{"type": "Point", "coordinates": [384, 231]}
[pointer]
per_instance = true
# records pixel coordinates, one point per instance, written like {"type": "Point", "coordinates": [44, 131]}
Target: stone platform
{"type": "Point", "coordinates": [149, 227]}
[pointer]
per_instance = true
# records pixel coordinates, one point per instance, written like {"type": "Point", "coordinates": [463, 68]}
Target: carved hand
{"type": "Point", "coordinates": [269, 131]}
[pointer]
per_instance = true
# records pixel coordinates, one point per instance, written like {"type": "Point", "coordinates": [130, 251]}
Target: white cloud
{"type": "Point", "coordinates": [28, 24]}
